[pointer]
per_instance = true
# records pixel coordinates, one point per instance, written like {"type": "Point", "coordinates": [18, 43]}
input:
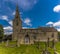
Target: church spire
{"type": "Point", "coordinates": [17, 15]}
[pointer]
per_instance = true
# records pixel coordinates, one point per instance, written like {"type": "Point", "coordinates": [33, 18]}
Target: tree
{"type": "Point", "coordinates": [1, 32]}
{"type": "Point", "coordinates": [59, 36]}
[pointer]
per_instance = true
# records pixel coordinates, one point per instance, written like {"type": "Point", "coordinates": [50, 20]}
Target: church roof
{"type": "Point", "coordinates": [43, 29]}
{"type": "Point", "coordinates": [47, 29]}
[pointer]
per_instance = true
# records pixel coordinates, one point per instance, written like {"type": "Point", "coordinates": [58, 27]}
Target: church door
{"type": "Point", "coordinates": [27, 39]}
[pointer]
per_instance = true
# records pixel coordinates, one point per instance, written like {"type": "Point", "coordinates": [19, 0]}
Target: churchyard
{"type": "Point", "coordinates": [37, 48]}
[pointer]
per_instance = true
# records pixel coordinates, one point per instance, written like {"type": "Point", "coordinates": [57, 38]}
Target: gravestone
{"type": "Point", "coordinates": [45, 46]}
{"type": "Point", "coordinates": [18, 43]}
{"type": "Point", "coordinates": [45, 52]}
{"type": "Point", "coordinates": [48, 53]}
{"type": "Point", "coordinates": [55, 52]}
{"type": "Point", "coordinates": [2, 41]}
{"type": "Point", "coordinates": [53, 43]}
{"type": "Point", "coordinates": [7, 43]}
{"type": "Point", "coordinates": [38, 45]}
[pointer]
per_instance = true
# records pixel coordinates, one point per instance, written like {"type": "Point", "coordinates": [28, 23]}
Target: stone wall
{"type": "Point", "coordinates": [39, 37]}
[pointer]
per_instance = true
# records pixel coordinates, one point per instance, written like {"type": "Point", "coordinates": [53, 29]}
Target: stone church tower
{"type": "Point", "coordinates": [17, 24]}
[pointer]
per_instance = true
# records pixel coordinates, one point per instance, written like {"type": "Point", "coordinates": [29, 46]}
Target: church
{"type": "Point", "coordinates": [29, 36]}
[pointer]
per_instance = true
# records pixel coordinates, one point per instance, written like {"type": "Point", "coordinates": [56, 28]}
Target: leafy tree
{"type": "Point", "coordinates": [59, 36]}
{"type": "Point", "coordinates": [1, 32]}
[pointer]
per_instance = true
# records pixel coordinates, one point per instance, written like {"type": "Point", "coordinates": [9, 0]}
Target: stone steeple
{"type": "Point", "coordinates": [17, 11]}
{"type": "Point", "coordinates": [17, 17]}
{"type": "Point", "coordinates": [17, 14]}
{"type": "Point", "coordinates": [17, 24]}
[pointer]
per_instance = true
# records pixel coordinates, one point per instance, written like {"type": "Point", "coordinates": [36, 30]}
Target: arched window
{"type": "Point", "coordinates": [27, 39]}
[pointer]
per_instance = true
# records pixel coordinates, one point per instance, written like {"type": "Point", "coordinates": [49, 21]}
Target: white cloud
{"type": "Point", "coordinates": [27, 21]}
{"type": "Point", "coordinates": [25, 4]}
{"type": "Point", "coordinates": [49, 23]}
{"type": "Point", "coordinates": [58, 29]}
{"type": "Point", "coordinates": [55, 24]}
{"type": "Point", "coordinates": [11, 23]}
{"type": "Point", "coordinates": [56, 8]}
{"type": "Point", "coordinates": [7, 33]}
{"type": "Point", "coordinates": [4, 17]}
{"type": "Point", "coordinates": [8, 30]}
{"type": "Point", "coordinates": [24, 27]}
{"type": "Point", "coordinates": [13, 13]}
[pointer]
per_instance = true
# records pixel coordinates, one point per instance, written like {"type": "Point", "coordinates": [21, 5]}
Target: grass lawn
{"type": "Point", "coordinates": [26, 49]}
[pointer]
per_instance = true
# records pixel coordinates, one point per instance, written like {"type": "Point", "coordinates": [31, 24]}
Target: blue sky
{"type": "Point", "coordinates": [34, 13]}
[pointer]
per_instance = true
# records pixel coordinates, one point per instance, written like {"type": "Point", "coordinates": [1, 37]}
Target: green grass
{"type": "Point", "coordinates": [58, 46]}
{"type": "Point", "coordinates": [26, 49]}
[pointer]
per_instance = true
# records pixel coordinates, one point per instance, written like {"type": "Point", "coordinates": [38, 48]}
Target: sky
{"type": "Point", "coordinates": [33, 13]}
